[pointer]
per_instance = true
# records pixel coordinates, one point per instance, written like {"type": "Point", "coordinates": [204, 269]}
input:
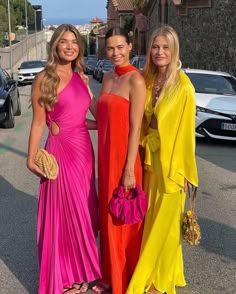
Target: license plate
{"type": "Point", "coordinates": [227, 126]}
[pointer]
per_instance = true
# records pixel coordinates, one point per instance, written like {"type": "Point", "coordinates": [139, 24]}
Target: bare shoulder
{"type": "Point", "coordinates": [137, 79]}
{"type": "Point", "coordinates": [36, 86]}
{"type": "Point", "coordinates": [38, 79]}
{"type": "Point", "coordinates": [108, 75]}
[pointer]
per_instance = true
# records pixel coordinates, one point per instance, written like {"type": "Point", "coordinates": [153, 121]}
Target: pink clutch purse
{"type": "Point", "coordinates": [129, 208]}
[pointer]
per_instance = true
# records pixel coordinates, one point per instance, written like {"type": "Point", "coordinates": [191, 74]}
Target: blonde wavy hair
{"type": "Point", "coordinates": [51, 79]}
{"type": "Point", "coordinates": [172, 73]}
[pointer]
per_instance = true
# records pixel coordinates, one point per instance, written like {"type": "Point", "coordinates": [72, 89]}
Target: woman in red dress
{"type": "Point", "coordinates": [119, 114]}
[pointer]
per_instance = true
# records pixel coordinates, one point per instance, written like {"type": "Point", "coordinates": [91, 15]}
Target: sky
{"type": "Point", "coordinates": [71, 11]}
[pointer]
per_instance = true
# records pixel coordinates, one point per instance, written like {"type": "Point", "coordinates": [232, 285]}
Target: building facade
{"type": "Point", "coordinates": [206, 28]}
{"type": "Point", "coordinates": [119, 12]}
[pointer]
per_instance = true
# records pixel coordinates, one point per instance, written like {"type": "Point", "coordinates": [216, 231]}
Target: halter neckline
{"type": "Point", "coordinates": [122, 70]}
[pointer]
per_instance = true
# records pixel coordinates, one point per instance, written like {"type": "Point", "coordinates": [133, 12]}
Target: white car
{"type": "Point", "coordinates": [216, 103]}
{"type": "Point", "coordinates": [28, 70]}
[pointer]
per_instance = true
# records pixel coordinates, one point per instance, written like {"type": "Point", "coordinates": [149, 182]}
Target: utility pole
{"type": "Point", "coordinates": [9, 36]}
{"type": "Point", "coordinates": [26, 30]}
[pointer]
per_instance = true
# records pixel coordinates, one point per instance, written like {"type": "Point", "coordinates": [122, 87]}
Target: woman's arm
{"type": "Point", "coordinates": [93, 107]}
{"type": "Point", "coordinates": [93, 104]}
{"type": "Point", "coordinates": [137, 103]}
{"type": "Point", "coordinates": [37, 126]}
{"type": "Point", "coordinates": [91, 124]}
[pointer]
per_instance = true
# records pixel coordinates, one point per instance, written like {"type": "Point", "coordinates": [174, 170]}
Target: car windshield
{"type": "Point", "coordinates": [44, 62]}
{"type": "Point", "coordinates": [141, 63]}
{"type": "Point", "coordinates": [91, 57]}
{"type": "Point", "coordinates": [213, 84]}
{"type": "Point", "coordinates": [92, 62]}
{"type": "Point", "coordinates": [31, 64]}
{"type": "Point", "coordinates": [107, 66]}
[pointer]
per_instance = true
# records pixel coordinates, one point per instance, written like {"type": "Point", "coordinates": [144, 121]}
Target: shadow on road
{"type": "Point", "coordinates": [219, 152]}
{"type": "Point", "coordinates": [7, 147]}
{"type": "Point", "coordinates": [218, 238]}
{"type": "Point", "coordinates": [18, 250]}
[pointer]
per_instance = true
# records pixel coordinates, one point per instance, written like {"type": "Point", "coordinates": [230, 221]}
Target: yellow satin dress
{"type": "Point", "coordinates": [169, 160]}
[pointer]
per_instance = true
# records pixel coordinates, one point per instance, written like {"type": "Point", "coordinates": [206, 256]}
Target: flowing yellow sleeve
{"type": "Point", "coordinates": [183, 162]}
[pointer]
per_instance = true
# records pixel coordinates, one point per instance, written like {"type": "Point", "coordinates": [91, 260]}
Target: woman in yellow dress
{"type": "Point", "coordinates": [168, 141]}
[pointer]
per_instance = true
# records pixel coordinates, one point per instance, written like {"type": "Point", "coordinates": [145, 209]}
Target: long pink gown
{"type": "Point", "coordinates": [68, 206]}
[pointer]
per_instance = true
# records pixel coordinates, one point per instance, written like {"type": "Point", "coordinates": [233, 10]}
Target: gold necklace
{"type": "Point", "coordinates": [157, 87]}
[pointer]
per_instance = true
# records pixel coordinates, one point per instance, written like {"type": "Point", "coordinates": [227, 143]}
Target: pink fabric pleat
{"type": "Point", "coordinates": [68, 206]}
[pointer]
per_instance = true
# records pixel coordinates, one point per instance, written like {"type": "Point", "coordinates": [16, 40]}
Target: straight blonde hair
{"type": "Point", "coordinates": [172, 73]}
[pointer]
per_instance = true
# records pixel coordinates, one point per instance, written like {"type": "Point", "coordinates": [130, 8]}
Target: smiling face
{"type": "Point", "coordinates": [160, 52]}
{"type": "Point", "coordinates": [118, 50]}
{"type": "Point", "coordinates": [67, 47]}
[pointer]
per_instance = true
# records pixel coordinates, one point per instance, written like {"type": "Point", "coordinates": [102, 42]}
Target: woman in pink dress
{"type": "Point", "coordinates": [68, 207]}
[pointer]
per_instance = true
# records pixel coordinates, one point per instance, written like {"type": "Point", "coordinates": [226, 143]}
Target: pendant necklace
{"type": "Point", "coordinates": [157, 87]}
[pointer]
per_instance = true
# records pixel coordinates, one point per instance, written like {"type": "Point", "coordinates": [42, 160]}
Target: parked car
{"type": "Point", "coordinates": [215, 103]}
{"type": "Point", "coordinates": [28, 70]}
{"type": "Point", "coordinates": [92, 56]}
{"type": "Point", "coordinates": [89, 66]}
{"type": "Point", "coordinates": [96, 68]}
{"type": "Point", "coordinates": [105, 67]}
{"type": "Point", "coordinates": [9, 100]}
{"type": "Point", "coordinates": [138, 61]}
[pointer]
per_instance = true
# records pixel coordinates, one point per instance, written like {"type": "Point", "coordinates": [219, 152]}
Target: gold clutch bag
{"type": "Point", "coordinates": [47, 164]}
{"type": "Point", "coordinates": [190, 227]}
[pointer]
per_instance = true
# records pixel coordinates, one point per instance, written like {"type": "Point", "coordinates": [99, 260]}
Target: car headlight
{"type": "Point", "coordinates": [2, 101]}
{"type": "Point", "coordinates": [205, 110]}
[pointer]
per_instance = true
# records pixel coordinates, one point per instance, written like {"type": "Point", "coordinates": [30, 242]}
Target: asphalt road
{"type": "Point", "coordinates": [210, 268]}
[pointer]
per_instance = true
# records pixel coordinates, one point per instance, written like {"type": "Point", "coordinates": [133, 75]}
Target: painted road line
{"type": "Point", "coordinates": [5, 146]}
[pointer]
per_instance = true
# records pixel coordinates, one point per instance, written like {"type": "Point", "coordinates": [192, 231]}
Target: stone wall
{"type": "Point", "coordinates": [153, 19]}
{"type": "Point", "coordinates": [207, 35]}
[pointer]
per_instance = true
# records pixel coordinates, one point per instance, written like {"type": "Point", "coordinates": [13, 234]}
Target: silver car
{"type": "Point", "coordinates": [215, 103]}
{"type": "Point", "coordinates": [28, 70]}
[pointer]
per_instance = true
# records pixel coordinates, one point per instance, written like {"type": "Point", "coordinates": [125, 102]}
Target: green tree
{"type": "Point", "coordinates": [138, 3]}
{"type": "Point", "coordinates": [3, 23]}
{"type": "Point", "coordinates": [18, 17]}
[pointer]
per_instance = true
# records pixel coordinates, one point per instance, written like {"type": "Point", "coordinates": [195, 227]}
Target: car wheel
{"type": "Point", "coordinates": [18, 111]}
{"type": "Point", "coordinates": [10, 121]}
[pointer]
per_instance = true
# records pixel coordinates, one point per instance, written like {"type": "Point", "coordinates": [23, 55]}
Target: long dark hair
{"type": "Point", "coordinates": [117, 32]}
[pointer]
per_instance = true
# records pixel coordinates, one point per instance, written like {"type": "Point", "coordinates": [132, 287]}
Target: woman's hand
{"type": "Point", "coordinates": [128, 180]}
{"type": "Point", "coordinates": [187, 185]}
{"type": "Point", "coordinates": [91, 124]}
{"type": "Point", "coordinates": [35, 169]}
